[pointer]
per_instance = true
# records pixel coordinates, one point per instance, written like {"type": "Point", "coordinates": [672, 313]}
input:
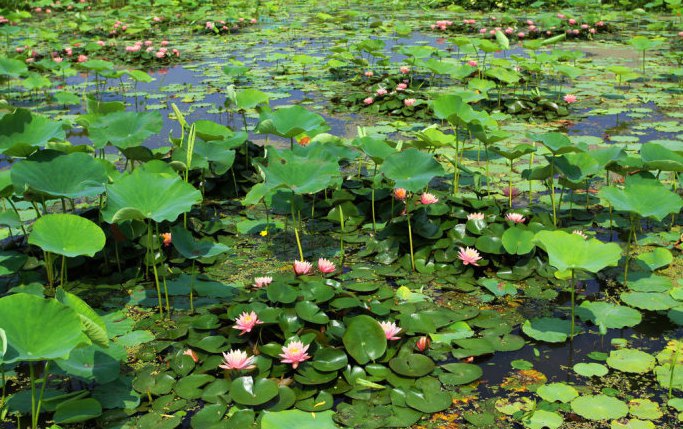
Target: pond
{"type": "Point", "coordinates": [341, 214]}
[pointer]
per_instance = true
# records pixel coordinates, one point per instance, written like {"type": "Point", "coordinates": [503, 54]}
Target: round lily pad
{"type": "Point", "coordinates": [557, 392]}
{"type": "Point", "coordinates": [631, 360]}
{"type": "Point", "coordinates": [548, 329]}
{"type": "Point", "coordinates": [462, 373]}
{"type": "Point", "coordinates": [591, 369]}
{"type": "Point", "coordinates": [599, 407]}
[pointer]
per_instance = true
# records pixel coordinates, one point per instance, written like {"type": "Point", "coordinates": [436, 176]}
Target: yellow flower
{"type": "Point", "coordinates": [264, 233]}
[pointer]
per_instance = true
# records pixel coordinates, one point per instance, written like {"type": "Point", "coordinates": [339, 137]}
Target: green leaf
{"type": "Point", "coordinates": [631, 360]}
{"type": "Point", "coordinates": [77, 410]}
{"type": "Point", "coordinates": [124, 129]}
{"type": "Point", "coordinates": [93, 325]}
{"type": "Point", "coordinates": [411, 169]}
{"type": "Point", "coordinates": [644, 197]}
{"type": "Point", "coordinates": [186, 245]}
{"type": "Point", "coordinates": [412, 365]}
{"type": "Point", "coordinates": [547, 329]}
{"type": "Point", "coordinates": [297, 419]}
{"type": "Point", "coordinates": [599, 407]}
{"type": "Point", "coordinates": [518, 241]}
{"type": "Point", "coordinates": [364, 339]}
{"type": "Point", "coordinates": [247, 391]}
{"type": "Point", "coordinates": [573, 252]}
{"type": "Point", "coordinates": [67, 234]}
{"type": "Point", "coordinates": [557, 392]}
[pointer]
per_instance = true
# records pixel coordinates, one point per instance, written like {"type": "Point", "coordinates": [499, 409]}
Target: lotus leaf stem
{"type": "Point", "coordinates": [150, 253]}
{"type": "Point", "coordinates": [410, 242]}
{"type": "Point", "coordinates": [341, 236]}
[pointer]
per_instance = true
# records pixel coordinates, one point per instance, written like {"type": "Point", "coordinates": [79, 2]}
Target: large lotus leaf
{"type": "Point", "coordinates": [557, 143]}
{"type": "Point", "coordinates": [12, 68]}
{"type": "Point", "coordinates": [26, 129]}
{"type": "Point", "coordinates": [642, 43]}
{"type": "Point", "coordinates": [51, 332]}
{"type": "Point", "coordinates": [599, 407]}
{"type": "Point", "coordinates": [94, 363]}
{"type": "Point", "coordinates": [485, 133]}
{"type": "Point", "coordinates": [67, 234]}
{"type": "Point", "coordinates": [608, 315]}
{"type": "Point", "coordinates": [364, 339]}
{"type": "Point", "coordinates": [77, 410]}
{"type": "Point", "coordinates": [652, 301]}
{"type": "Point", "coordinates": [572, 252]}
{"type": "Point", "coordinates": [658, 258]}
{"type": "Point", "coordinates": [53, 174]}
{"type": "Point", "coordinates": [297, 419]}
{"type": "Point", "coordinates": [551, 330]}
{"type": "Point", "coordinates": [247, 391]}
{"type": "Point", "coordinates": [249, 98]}
{"type": "Point", "coordinates": [411, 169]}
{"type": "Point", "coordinates": [290, 121]}
{"type": "Point", "coordinates": [144, 195]}
{"type": "Point", "coordinates": [577, 167]}
{"type": "Point", "coordinates": [124, 129]}
{"type": "Point", "coordinates": [301, 174]}
{"type": "Point", "coordinates": [11, 262]}
{"type": "Point", "coordinates": [504, 75]}
{"type": "Point", "coordinates": [513, 153]}
{"type": "Point", "coordinates": [453, 109]}
{"type": "Point", "coordinates": [643, 196]}
{"type": "Point", "coordinates": [657, 157]}
{"type": "Point", "coordinates": [378, 150]}
{"type": "Point", "coordinates": [186, 245]}
{"type": "Point", "coordinates": [93, 325]}
{"type": "Point", "coordinates": [631, 360]}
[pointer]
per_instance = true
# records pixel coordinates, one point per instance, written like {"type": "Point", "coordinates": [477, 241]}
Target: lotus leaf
{"type": "Point", "coordinates": [190, 248]}
{"type": "Point", "coordinates": [591, 369]}
{"type": "Point", "coordinates": [290, 122]}
{"type": "Point", "coordinates": [599, 407]}
{"type": "Point", "coordinates": [52, 174]}
{"type": "Point", "coordinates": [542, 419]}
{"type": "Point", "coordinates": [144, 195]}
{"type": "Point", "coordinates": [608, 315]}
{"type": "Point", "coordinates": [52, 331]}
{"type": "Point", "coordinates": [631, 360]}
{"type": "Point", "coordinates": [67, 234]}
{"type": "Point", "coordinates": [557, 392]}
{"type": "Point", "coordinates": [643, 196]}
{"type": "Point", "coordinates": [77, 410]}
{"type": "Point", "coordinates": [124, 129]}
{"type": "Point", "coordinates": [658, 258]}
{"type": "Point", "coordinates": [23, 128]}
{"type": "Point", "coordinates": [411, 169]}
{"type": "Point", "coordinates": [547, 329]}
{"type": "Point", "coordinates": [573, 252]}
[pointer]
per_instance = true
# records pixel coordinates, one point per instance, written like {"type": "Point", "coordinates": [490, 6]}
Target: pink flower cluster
{"type": "Point", "coordinates": [162, 52]}
{"type": "Point", "coordinates": [325, 266]}
{"type": "Point", "coordinates": [3, 20]}
{"type": "Point", "coordinates": [118, 27]}
{"type": "Point", "coordinates": [441, 25]}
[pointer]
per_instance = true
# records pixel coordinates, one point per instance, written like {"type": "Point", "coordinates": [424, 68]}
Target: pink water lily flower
{"type": "Point", "coordinates": [238, 360]}
{"type": "Point", "coordinates": [401, 86]}
{"type": "Point", "coordinates": [191, 354]}
{"type": "Point", "coordinates": [422, 344]}
{"type": "Point", "coordinates": [82, 58]}
{"type": "Point", "coordinates": [404, 69]}
{"type": "Point", "coordinates": [400, 194]}
{"type": "Point", "coordinates": [475, 216]}
{"type": "Point", "coordinates": [246, 322]}
{"type": "Point", "coordinates": [515, 217]}
{"type": "Point", "coordinates": [569, 98]}
{"type": "Point", "coordinates": [390, 330]}
{"type": "Point", "coordinates": [368, 101]}
{"type": "Point", "coordinates": [369, 73]}
{"type": "Point", "coordinates": [260, 282]}
{"type": "Point", "coordinates": [382, 91]}
{"type": "Point", "coordinates": [326, 266]}
{"type": "Point", "coordinates": [469, 256]}
{"type": "Point", "coordinates": [409, 102]}
{"type": "Point", "coordinates": [294, 353]}
{"type": "Point", "coordinates": [427, 198]}
{"type": "Point", "coordinates": [301, 268]}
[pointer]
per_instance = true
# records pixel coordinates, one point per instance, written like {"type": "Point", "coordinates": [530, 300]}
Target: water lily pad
{"type": "Point", "coordinates": [599, 407]}
{"type": "Point", "coordinates": [632, 424]}
{"type": "Point", "coordinates": [77, 411]}
{"type": "Point", "coordinates": [649, 300]}
{"type": "Point", "coordinates": [364, 339]}
{"type": "Point", "coordinates": [297, 419]}
{"type": "Point", "coordinates": [557, 392]}
{"type": "Point", "coordinates": [52, 331]}
{"type": "Point", "coordinates": [645, 409]}
{"type": "Point", "coordinates": [124, 129]}
{"type": "Point", "coordinates": [631, 360]}
{"type": "Point", "coordinates": [608, 315]}
{"type": "Point", "coordinates": [591, 369]}
{"type": "Point", "coordinates": [462, 373]}
{"type": "Point", "coordinates": [542, 419]}
{"type": "Point", "coordinates": [412, 365]}
{"type": "Point", "coordinates": [643, 196]}
{"type": "Point", "coordinates": [247, 391]}
{"type": "Point", "coordinates": [551, 330]}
